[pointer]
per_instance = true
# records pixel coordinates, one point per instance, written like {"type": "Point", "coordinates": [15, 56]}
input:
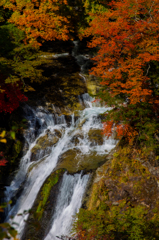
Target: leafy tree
{"type": "Point", "coordinates": [127, 62]}
{"type": "Point", "coordinates": [40, 20]}
{"type": "Point", "coordinates": [18, 63]}
{"type": "Point", "coordinates": [95, 6]}
{"type": "Point", "coordinates": [115, 223]}
{"type": "Point", "coordinates": [10, 87]}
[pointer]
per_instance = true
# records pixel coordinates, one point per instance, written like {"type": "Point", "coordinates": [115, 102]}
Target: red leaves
{"type": "Point", "coordinates": [10, 98]}
{"type": "Point", "coordinates": [2, 160]}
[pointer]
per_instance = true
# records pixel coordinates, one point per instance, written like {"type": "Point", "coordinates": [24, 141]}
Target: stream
{"type": "Point", "coordinates": [32, 174]}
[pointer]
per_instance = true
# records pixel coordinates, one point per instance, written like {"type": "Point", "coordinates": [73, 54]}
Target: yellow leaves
{"type": "Point", "coordinates": [3, 140]}
{"type": "Point", "coordinates": [2, 135]}
{"type": "Point", "coordinates": [29, 89]}
{"type": "Point", "coordinates": [2, 90]}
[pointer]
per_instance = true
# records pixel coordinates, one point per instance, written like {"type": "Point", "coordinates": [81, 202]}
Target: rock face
{"type": "Point", "coordinates": [130, 179]}
{"type": "Point", "coordinates": [59, 94]}
{"type": "Point", "coordinates": [95, 137]}
{"type": "Point", "coordinates": [93, 85]}
{"type": "Point", "coordinates": [44, 144]}
{"type": "Point", "coordinates": [125, 189]}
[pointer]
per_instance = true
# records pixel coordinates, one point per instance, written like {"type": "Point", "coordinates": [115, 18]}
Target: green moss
{"type": "Point", "coordinates": [45, 191]}
{"type": "Point", "coordinates": [116, 222]}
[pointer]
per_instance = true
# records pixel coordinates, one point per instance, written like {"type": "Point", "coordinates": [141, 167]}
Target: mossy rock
{"type": "Point", "coordinates": [42, 211]}
{"type": "Point", "coordinates": [45, 143]}
{"type": "Point", "coordinates": [123, 178]}
{"type": "Point", "coordinates": [95, 137]}
{"type": "Point", "coordinates": [35, 164]}
{"type": "Point", "coordinates": [76, 138]}
{"type": "Point", "coordinates": [45, 191]}
{"type": "Point", "coordinates": [93, 85]}
{"type": "Point", "coordinates": [74, 160]}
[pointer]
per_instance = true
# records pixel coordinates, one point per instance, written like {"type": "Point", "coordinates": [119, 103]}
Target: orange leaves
{"type": "Point", "coordinates": [108, 128]}
{"type": "Point", "coordinates": [121, 130]}
{"type": "Point", "coordinates": [127, 37]}
{"type": "Point", "coordinates": [39, 19]}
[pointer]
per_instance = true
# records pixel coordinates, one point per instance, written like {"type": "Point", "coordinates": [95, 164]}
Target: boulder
{"type": "Point", "coordinates": [95, 137]}
{"type": "Point", "coordinates": [44, 144]}
{"type": "Point", "coordinates": [74, 160]}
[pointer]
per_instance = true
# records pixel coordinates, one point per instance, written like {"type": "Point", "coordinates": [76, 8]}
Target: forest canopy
{"type": "Point", "coordinates": [127, 63]}
{"type": "Point", "coordinates": [124, 36]}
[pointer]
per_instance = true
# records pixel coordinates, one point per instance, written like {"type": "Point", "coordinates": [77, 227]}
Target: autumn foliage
{"type": "Point", "coordinates": [10, 97]}
{"type": "Point", "coordinates": [3, 161]}
{"type": "Point", "coordinates": [40, 20]}
{"type": "Point", "coordinates": [127, 38]}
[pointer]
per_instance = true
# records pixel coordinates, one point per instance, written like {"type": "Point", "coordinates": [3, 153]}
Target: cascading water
{"type": "Point", "coordinates": [32, 174]}
{"type": "Point", "coordinates": [68, 203]}
{"type": "Point", "coordinates": [37, 175]}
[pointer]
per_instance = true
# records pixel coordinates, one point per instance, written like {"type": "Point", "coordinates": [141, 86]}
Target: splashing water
{"type": "Point", "coordinates": [31, 175]}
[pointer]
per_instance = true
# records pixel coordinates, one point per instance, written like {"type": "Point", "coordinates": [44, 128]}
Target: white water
{"type": "Point", "coordinates": [60, 55]}
{"type": "Point", "coordinates": [36, 177]}
{"type": "Point", "coordinates": [31, 179]}
{"type": "Point", "coordinates": [68, 203]}
{"type": "Point", "coordinates": [82, 60]}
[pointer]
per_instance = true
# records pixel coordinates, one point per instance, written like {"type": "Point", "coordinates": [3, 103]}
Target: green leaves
{"type": "Point", "coordinates": [7, 231]}
{"type": "Point", "coordinates": [12, 134]}
{"type": "Point", "coordinates": [115, 222]}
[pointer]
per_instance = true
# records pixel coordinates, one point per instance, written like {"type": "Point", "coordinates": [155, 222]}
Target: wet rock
{"type": "Point", "coordinates": [76, 138]}
{"type": "Point", "coordinates": [36, 163]}
{"type": "Point", "coordinates": [74, 160]}
{"type": "Point", "coordinates": [82, 123]}
{"type": "Point", "coordinates": [44, 144]}
{"type": "Point", "coordinates": [95, 137]}
{"type": "Point", "coordinates": [25, 148]}
{"type": "Point", "coordinates": [93, 85]}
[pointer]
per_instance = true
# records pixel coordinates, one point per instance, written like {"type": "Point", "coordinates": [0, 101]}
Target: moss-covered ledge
{"type": "Point", "coordinates": [41, 213]}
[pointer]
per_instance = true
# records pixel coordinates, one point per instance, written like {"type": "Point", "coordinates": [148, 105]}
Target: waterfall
{"type": "Point", "coordinates": [32, 174]}
{"type": "Point", "coordinates": [68, 204]}
{"type": "Point", "coordinates": [81, 59]}
{"type": "Point", "coordinates": [37, 175]}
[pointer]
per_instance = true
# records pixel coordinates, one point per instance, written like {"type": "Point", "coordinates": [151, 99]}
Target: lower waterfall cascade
{"type": "Point", "coordinates": [34, 169]}
{"type": "Point", "coordinates": [33, 174]}
{"type": "Point", "coordinates": [73, 186]}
